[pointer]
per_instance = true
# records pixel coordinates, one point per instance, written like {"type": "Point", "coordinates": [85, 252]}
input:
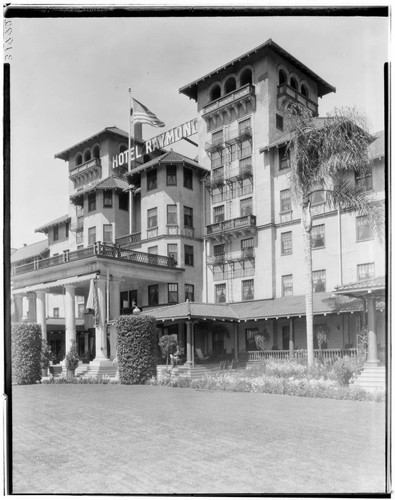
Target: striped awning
{"type": "Point", "coordinates": [54, 284]}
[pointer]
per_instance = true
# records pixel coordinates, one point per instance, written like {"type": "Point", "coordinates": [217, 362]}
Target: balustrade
{"type": "Point", "coordinates": [231, 224]}
{"type": "Point", "coordinates": [301, 354]}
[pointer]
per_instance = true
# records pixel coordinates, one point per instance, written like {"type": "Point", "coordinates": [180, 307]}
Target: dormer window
{"type": "Point", "coordinates": [215, 93]}
{"type": "Point", "coordinates": [230, 85]}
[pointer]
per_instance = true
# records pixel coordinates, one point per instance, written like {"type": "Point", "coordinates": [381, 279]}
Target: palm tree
{"type": "Point", "coordinates": [322, 153]}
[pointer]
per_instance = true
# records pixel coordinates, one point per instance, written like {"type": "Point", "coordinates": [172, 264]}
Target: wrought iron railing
{"type": "Point", "coordinates": [99, 250]}
{"type": "Point", "coordinates": [231, 224]}
{"type": "Point", "coordinates": [128, 239]}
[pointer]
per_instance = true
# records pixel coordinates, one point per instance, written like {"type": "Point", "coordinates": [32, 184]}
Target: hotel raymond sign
{"type": "Point", "coordinates": [160, 141]}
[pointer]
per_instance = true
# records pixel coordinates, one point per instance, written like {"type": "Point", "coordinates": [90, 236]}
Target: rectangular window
{"type": "Point", "coordinates": [153, 295]}
{"type": "Point", "coordinates": [190, 293]}
{"type": "Point", "coordinates": [247, 243]}
{"type": "Point", "coordinates": [285, 200]}
{"type": "Point", "coordinates": [55, 312]}
{"type": "Point", "coordinates": [216, 159]}
{"type": "Point", "coordinates": [133, 298]}
{"type": "Point", "coordinates": [218, 174]}
{"type": "Point", "coordinates": [172, 290]}
{"type": "Point", "coordinates": [319, 281]}
{"type": "Point", "coordinates": [251, 333]}
{"type": "Point", "coordinates": [245, 207]}
{"type": "Point", "coordinates": [318, 198]}
{"type": "Point", "coordinates": [245, 165]}
{"type": "Point", "coordinates": [244, 126]}
{"type": "Point", "coordinates": [364, 229]}
{"type": "Point", "coordinates": [287, 285]}
{"type": "Point", "coordinates": [81, 310]}
{"type": "Point", "coordinates": [123, 201]}
{"type": "Point", "coordinates": [107, 233]}
{"type": "Point", "coordinates": [91, 235]}
{"type": "Point", "coordinates": [363, 180]}
{"type": "Point", "coordinates": [153, 250]}
{"type": "Point", "coordinates": [219, 249]}
{"type": "Point", "coordinates": [79, 211]}
{"type": "Point", "coordinates": [318, 236]}
{"type": "Point", "coordinates": [152, 217]}
{"type": "Point", "coordinates": [188, 178]}
{"type": "Point", "coordinates": [107, 199]}
{"type": "Point", "coordinates": [152, 180]}
{"type": "Point", "coordinates": [56, 233]}
{"type": "Point", "coordinates": [233, 152]}
{"type": "Point", "coordinates": [365, 271]}
{"type": "Point", "coordinates": [80, 237]}
{"type": "Point", "coordinates": [91, 202]}
{"type": "Point", "coordinates": [286, 243]}
{"type": "Point", "coordinates": [247, 289]}
{"type": "Point", "coordinates": [219, 214]}
{"type": "Point", "coordinates": [171, 215]}
{"type": "Point", "coordinates": [67, 229]}
{"type": "Point", "coordinates": [172, 251]}
{"type": "Point", "coordinates": [279, 122]}
{"type": "Point", "coordinates": [284, 157]}
{"type": "Point", "coordinates": [171, 175]}
{"type": "Point", "coordinates": [245, 149]}
{"type": "Point", "coordinates": [188, 250]}
{"type": "Point", "coordinates": [217, 137]}
{"type": "Point", "coordinates": [188, 217]}
{"type": "Point", "coordinates": [220, 293]}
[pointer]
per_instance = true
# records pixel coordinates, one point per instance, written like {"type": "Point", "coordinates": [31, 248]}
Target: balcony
{"type": "Point", "coordinates": [224, 105]}
{"type": "Point", "coordinates": [238, 136]}
{"type": "Point", "coordinates": [286, 216]}
{"type": "Point", "coordinates": [285, 94]}
{"type": "Point", "coordinates": [241, 255]}
{"type": "Point", "coordinates": [243, 224]}
{"type": "Point", "coordinates": [216, 260]}
{"type": "Point", "coordinates": [242, 171]}
{"type": "Point", "coordinates": [91, 168]}
{"type": "Point", "coordinates": [97, 250]}
{"type": "Point", "coordinates": [129, 239]}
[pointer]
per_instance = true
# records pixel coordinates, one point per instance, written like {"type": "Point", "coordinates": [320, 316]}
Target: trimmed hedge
{"type": "Point", "coordinates": [26, 345]}
{"type": "Point", "coordinates": [137, 347]}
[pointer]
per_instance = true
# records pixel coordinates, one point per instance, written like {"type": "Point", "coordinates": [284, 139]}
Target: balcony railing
{"type": "Point", "coordinates": [243, 92]}
{"type": "Point", "coordinates": [239, 136]}
{"type": "Point", "coordinates": [97, 250]}
{"type": "Point", "coordinates": [248, 221]}
{"type": "Point", "coordinates": [216, 260]}
{"type": "Point", "coordinates": [300, 354]}
{"type": "Point", "coordinates": [129, 239]}
{"type": "Point", "coordinates": [88, 165]}
{"type": "Point", "coordinates": [286, 90]}
{"type": "Point", "coordinates": [286, 216]}
{"type": "Point", "coordinates": [238, 255]}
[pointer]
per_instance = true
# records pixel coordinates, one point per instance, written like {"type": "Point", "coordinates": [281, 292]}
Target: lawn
{"type": "Point", "coordinates": [149, 439]}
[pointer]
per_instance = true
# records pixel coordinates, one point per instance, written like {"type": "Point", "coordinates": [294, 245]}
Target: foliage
{"type": "Point", "coordinates": [26, 344]}
{"type": "Point", "coordinates": [344, 369]}
{"type": "Point", "coordinates": [46, 355]}
{"type": "Point", "coordinates": [262, 340]}
{"type": "Point", "coordinates": [86, 357]}
{"type": "Point", "coordinates": [322, 337]}
{"type": "Point", "coordinates": [168, 345]}
{"type": "Point", "coordinates": [80, 380]}
{"type": "Point", "coordinates": [137, 348]}
{"type": "Point", "coordinates": [72, 358]}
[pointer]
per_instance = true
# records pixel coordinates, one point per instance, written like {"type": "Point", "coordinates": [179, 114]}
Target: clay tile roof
{"type": "Point", "coordinates": [169, 157]}
{"type": "Point", "coordinates": [363, 285]}
{"type": "Point", "coordinates": [56, 222]}
{"type": "Point", "coordinates": [187, 310]}
{"type": "Point", "coordinates": [30, 251]}
{"type": "Point", "coordinates": [111, 182]}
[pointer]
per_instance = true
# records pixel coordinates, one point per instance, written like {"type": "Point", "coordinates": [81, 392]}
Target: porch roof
{"type": "Point", "coordinates": [51, 285]}
{"type": "Point", "coordinates": [370, 286]}
{"type": "Point", "coordinates": [323, 303]}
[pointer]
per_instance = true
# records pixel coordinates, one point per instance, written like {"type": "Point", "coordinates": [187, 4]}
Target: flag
{"type": "Point", "coordinates": [92, 302]}
{"type": "Point", "coordinates": [141, 114]}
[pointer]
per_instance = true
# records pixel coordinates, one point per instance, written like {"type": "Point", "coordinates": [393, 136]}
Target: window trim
{"type": "Point", "coordinates": [323, 282]}
{"type": "Point", "coordinates": [366, 264]}
{"type": "Point", "coordinates": [108, 192]}
{"type": "Point", "coordinates": [190, 172]}
{"type": "Point", "coordinates": [247, 283]}
{"type": "Point", "coordinates": [152, 173]}
{"type": "Point", "coordinates": [312, 241]}
{"type": "Point", "coordinates": [92, 202]}
{"type": "Point", "coordinates": [290, 252]}
{"type": "Point", "coordinates": [150, 217]}
{"type": "Point", "coordinates": [190, 292]}
{"type": "Point", "coordinates": [189, 254]}
{"type": "Point", "coordinates": [186, 216]}
{"type": "Point", "coordinates": [168, 167]}
{"type": "Point", "coordinates": [171, 213]}
{"type": "Point", "coordinates": [112, 233]}
{"type": "Point", "coordinates": [369, 238]}
{"type": "Point", "coordinates": [217, 287]}
{"type": "Point", "coordinates": [153, 287]}
{"type": "Point", "coordinates": [172, 291]}
{"type": "Point", "coordinates": [282, 285]}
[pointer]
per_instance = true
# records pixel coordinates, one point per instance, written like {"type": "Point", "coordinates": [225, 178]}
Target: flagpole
{"type": "Point", "coordinates": [129, 159]}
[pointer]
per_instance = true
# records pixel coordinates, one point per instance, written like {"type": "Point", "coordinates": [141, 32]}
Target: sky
{"type": "Point", "coordinates": [70, 79]}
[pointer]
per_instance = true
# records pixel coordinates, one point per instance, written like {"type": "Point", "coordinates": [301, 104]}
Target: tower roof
{"type": "Point", "coordinates": [324, 88]}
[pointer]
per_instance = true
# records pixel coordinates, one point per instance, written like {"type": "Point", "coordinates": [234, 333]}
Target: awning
{"type": "Point", "coordinates": [54, 284]}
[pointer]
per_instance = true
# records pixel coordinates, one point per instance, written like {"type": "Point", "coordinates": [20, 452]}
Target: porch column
{"type": "Point", "coordinates": [100, 330]}
{"type": "Point", "coordinates": [115, 310]}
{"type": "Point", "coordinates": [18, 308]}
{"type": "Point", "coordinates": [372, 337]}
{"type": "Point", "coordinates": [31, 314]}
{"type": "Point", "coordinates": [41, 313]}
{"type": "Point", "coordinates": [291, 338]}
{"type": "Point", "coordinates": [189, 343]}
{"type": "Point", "coordinates": [69, 316]}
{"type": "Point", "coordinates": [236, 339]}
{"type": "Point", "coordinates": [86, 342]}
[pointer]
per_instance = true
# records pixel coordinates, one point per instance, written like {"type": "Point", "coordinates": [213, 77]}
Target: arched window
{"type": "Point", "coordinates": [230, 85]}
{"type": "Point", "coordinates": [87, 155]}
{"type": "Point", "coordinates": [282, 77]}
{"type": "Point", "coordinates": [122, 148]}
{"type": "Point", "coordinates": [304, 91]}
{"type": "Point", "coordinates": [96, 152]}
{"type": "Point", "coordinates": [294, 83]}
{"type": "Point", "coordinates": [215, 93]}
{"type": "Point", "coordinates": [246, 77]}
{"type": "Point", "coordinates": [78, 160]}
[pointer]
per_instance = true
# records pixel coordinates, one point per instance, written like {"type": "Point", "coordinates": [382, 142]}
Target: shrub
{"type": "Point", "coordinates": [26, 344]}
{"type": "Point", "coordinates": [137, 347]}
{"type": "Point", "coordinates": [344, 369]}
{"type": "Point", "coordinates": [72, 357]}
{"type": "Point", "coordinates": [46, 355]}
{"type": "Point", "coordinates": [168, 345]}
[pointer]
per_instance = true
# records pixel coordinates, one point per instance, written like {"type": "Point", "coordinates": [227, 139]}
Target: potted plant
{"type": "Point", "coordinates": [46, 357]}
{"type": "Point", "coordinates": [86, 357]}
{"type": "Point", "coordinates": [72, 360]}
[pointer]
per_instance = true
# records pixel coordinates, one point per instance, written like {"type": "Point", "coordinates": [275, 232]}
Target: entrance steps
{"type": "Point", "coordinates": [110, 371]}
{"type": "Point", "coordinates": [372, 378]}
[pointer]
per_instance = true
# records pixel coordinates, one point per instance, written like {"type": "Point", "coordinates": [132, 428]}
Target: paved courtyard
{"type": "Point", "coordinates": [142, 439]}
